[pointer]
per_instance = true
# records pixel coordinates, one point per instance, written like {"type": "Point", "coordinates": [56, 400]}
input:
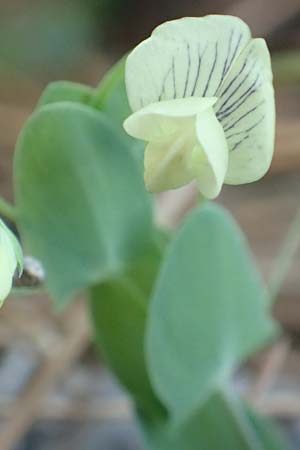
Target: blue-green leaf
{"type": "Point", "coordinates": [118, 309]}
{"type": "Point", "coordinates": [60, 91]}
{"type": "Point", "coordinates": [209, 312]}
{"type": "Point", "coordinates": [110, 95]}
{"type": "Point", "coordinates": [223, 421]}
{"type": "Point", "coordinates": [81, 204]}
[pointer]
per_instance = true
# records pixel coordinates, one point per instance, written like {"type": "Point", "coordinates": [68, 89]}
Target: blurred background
{"type": "Point", "coordinates": [54, 391]}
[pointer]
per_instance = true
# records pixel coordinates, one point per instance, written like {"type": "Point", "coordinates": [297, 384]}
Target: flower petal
{"type": "Point", "coordinates": [209, 159]}
{"type": "Point", "coordinates": [166, 162]}
{"type": "Point", "coordinates": [160, 119]}
{"type": "Point", "coordinates": [184, 58]}
{"type": "Point", "coordinates": [246, 110]}
{"type": "Point", "coordinates": [8, 261]}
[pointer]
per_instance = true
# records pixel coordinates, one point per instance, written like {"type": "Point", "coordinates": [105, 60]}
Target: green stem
{"type": "Point", "coordinates": [7, 209]}
{"type": "Point", "coordinates": [286, 67]}
{"type": "Point", "coordinates": [27, 291]}
{"type": "Point", "coordinates": [247, 436]}
{"type": "Point", "coordinates": [285, 257]}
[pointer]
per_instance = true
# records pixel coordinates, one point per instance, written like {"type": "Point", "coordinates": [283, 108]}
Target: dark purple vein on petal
{"type": "Point", "coordinates": [238, 87]}
{"type": "Point", "coordinates": [248, 129]}
{"type": "Point", "coordinates": [164, 84]}
{"type": "Point", "coordinates": [229, 127]}
{"type": "Point", "coordinates": [211, 70]}
{"type": "Point", "coordinates": [224, 116]}
{"type": "Point", "coordinates": [236, 49]}
{"type": "Point", "coordinates": [174, 78]}
{"type": "Point", "coordinates": [237, 144]}
{"type": "Point", "coordinates": [225, 68]}
{"type": "Point", "coordinates": [188, 70]}
{"type": "Point", "coordinates": [226, 65]}
{"type": "Point", "coordinates": [239, 102]}
{"type": "Point", "coordinates": [200, 55]}
{"type": "Point", "coordinates": [238, 74]}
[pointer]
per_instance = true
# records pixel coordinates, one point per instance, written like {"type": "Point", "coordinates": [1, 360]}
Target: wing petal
{"type": "Point", "coordinates": [246, 110]}
{"type": "Point", "coordinates": [209, 159]}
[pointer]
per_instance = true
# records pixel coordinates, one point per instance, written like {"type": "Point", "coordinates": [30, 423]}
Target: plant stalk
{"type": "Point", "coordinates": [7, 210]}
{"type": "Point", "coordinates": [247, 434]}
{"type": "Point", "coordinates": [285, 257]}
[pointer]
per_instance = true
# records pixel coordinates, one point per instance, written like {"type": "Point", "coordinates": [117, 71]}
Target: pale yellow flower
{"type": "Point", "coordinates": [10, 259]}
{"type": "Point", "coordinates": [202, 98]}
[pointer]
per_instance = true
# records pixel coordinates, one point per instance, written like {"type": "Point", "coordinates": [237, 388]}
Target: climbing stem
{"type": "Point", "coordinates": [285, 257]}
{"type": "Point", "coordinates": [248, 438]}
{"type": "Point", "coordinates": [7, 209]}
